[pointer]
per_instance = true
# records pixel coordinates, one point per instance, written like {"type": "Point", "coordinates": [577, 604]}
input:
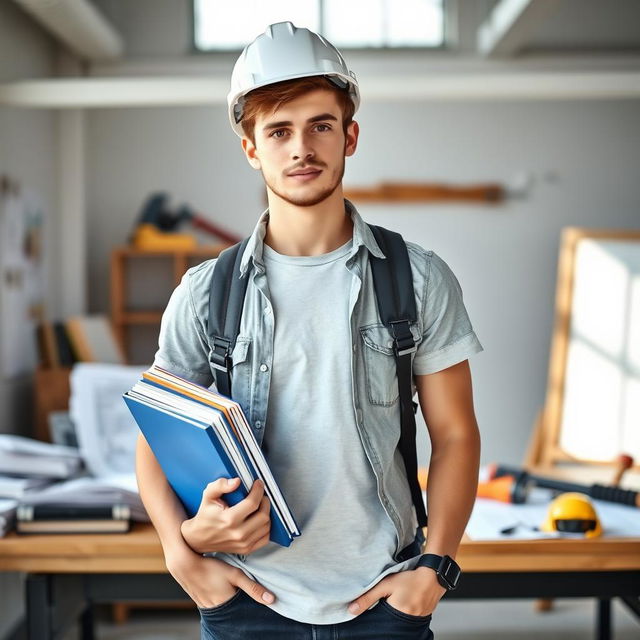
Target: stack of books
{"type": "Point", "coordinates": [198, 436]}
{"type": "Point", "coordinates": [68, 518]}
{"type": "Point", "coordinates": [28, 466]}
{"type": "Point", "coordinates": [86, 504]}
{"type": "Point", "coordinates": [44, 488]}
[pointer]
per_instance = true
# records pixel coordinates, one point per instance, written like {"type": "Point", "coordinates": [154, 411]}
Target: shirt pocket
{"type": "Point", "coordinates": [241, 371]}
{"type": "Point", "coordinates": [381, 375]}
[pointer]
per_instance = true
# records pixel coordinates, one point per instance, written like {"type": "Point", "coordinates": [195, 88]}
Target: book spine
{"type": "Point", "coordinates": [72, 526]}
{"type": "Point", "coordinates": [27, 512]}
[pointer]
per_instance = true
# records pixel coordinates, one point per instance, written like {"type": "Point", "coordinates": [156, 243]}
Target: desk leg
{"type": "Point", "coordinates": [604, 619]}
{"type": "Point", "coordinates": [38, 612]}
{"type": "Point", "coordinates": [86, 624]}
{"type": "Point", "coordinates": [54, 603]}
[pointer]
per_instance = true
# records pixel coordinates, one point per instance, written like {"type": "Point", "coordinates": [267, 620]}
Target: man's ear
{"type": "Point", "coordinates": [251, 153]}
{"type": "Point", "coordinates": [351, 138]}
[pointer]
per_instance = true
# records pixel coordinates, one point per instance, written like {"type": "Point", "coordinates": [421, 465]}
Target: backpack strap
{"type": "Point", "coordinates": [226, 299]}
{"type": "Point", "coordinates": [393, 284]}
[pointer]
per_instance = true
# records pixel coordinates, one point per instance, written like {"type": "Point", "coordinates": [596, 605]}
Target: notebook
{"type": "Point", "coordinates": [198, 436]}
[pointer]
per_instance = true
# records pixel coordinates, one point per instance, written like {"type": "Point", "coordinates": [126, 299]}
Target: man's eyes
{"type": "Point", "coordinates": [319, 127]}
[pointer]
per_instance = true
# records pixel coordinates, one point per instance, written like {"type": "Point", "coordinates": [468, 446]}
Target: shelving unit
{"type": "Point", "coordinates": [126, 314]}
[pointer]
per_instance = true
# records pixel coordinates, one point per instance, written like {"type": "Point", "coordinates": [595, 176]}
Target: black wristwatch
{"type": "Point", "coordinates": [446, 569]}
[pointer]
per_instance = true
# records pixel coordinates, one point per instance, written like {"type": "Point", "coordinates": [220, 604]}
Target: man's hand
{"type": "Point", "coordinates": [242, 528]}
{"type": "Point", "coordinates": [416, 592]}
{"type": "Point", "coordinates": [210, 582]}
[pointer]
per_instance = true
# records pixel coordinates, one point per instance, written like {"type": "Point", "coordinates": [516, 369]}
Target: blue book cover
{"type": "Point", "coordinates": [191, 457]}
{"type": "Point", "coordinates": [173, 386]}
{"type": "Point", "coordinates": [186, 396]}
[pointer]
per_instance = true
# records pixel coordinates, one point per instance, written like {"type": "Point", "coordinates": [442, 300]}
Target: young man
{"type": "Point", "coordinates": [314, 371]}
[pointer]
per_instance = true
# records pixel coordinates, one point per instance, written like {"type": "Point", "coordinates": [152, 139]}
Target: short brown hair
{"type": "Point", "coordinates": [272, 96]}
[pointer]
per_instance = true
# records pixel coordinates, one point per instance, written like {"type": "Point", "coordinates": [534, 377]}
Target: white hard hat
{"type": "Point", "coordinates": [285, 52]}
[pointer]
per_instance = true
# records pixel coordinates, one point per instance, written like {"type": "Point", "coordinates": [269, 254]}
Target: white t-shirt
{"type": "Point", "coordinates": [313, 447]}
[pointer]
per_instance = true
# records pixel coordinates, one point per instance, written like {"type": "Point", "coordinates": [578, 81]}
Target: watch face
{"type": "Point", "coordinates": [450, 573]}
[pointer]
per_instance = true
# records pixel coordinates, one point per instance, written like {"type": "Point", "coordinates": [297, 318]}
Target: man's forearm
{"type": "Point", "coordinates": [451, 491]}
{"type": "Point", "coordinates": [162, 505]}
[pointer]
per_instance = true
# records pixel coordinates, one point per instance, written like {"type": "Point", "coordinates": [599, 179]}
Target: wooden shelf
{"type": "Point", "coordinates": [426, 192]}
{"type": "Point", "coordinates": [124, 315]}
{"type": "Point", "coordinates": [205, 251]}
{"type": "Point", "coordinates": [52, 390]}
{"type": "Point", "coordinates": [140, 317]}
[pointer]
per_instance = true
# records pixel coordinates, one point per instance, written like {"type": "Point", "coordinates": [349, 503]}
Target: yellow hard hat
{"type": "Point", "coordinates": [573, 512]}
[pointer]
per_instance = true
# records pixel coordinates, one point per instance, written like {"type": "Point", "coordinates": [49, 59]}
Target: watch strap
{"type": "Point", "coordinates": [446, 569]}
{"type": "Point", "coordinates": [430, 560]}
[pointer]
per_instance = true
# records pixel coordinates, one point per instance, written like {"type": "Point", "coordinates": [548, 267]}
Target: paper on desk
{"type": "Point", "coordinates": [28, 446]}
{"type": "Point", "coordinates": [21, 456]}
{"type": "Point", "coordinates": [106, 431]}
{"type": "Point", "coordinates": [490, 516]}
{"type": "Point", "coordinates": [16, 488]}
{"type": "Point", "coordinates": [112, 489]}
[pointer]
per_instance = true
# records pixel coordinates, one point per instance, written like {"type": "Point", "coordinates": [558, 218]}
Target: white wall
{"type": "Point", "coordinates": [27, 154]}
{"type": "Point", "coordinates": [580, 156]}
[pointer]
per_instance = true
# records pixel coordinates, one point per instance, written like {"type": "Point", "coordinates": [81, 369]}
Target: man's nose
{"type": "Point", "coordinates": [301, 148]}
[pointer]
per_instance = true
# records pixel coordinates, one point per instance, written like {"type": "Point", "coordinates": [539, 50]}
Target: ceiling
{"type": "Point", "coordinates": [589, 26]}
{"type": "Point", "coordinates": [502, 29]}
{"type": "Point", "coordinates": [140, 53]}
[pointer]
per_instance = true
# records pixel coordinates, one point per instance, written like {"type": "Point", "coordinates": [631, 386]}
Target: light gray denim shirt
{"type": "Point", "coordinates": [443, 334]}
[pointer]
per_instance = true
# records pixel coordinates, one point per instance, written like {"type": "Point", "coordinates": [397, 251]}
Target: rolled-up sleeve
{"type": "Point", "coordinates": [448, 337]}
{"type": "Point", "coordinates": [183, 348]}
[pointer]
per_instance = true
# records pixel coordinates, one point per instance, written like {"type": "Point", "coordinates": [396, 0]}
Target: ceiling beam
{"type": "Point", "coordinates": [114, 92]}
{"type": "Point", "coordinates": [72, 93]}
{"type": "Point", "coordinates": [511, 24]}
{"type": "Point", "coordinates": [79, 26]}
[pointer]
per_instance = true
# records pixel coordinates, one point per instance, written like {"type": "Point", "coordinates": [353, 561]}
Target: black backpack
{"type": "Point", "coordinates": [393, 283]}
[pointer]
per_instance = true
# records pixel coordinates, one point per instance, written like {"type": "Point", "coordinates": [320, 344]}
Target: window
{"type": "Point", "coordinates": [220, 25]}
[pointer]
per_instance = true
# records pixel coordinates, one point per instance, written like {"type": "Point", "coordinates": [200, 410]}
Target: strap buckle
{"type": "Point", "coordinates": [403, 342]}
{"type": "Point", "coordinates": [221, 354]}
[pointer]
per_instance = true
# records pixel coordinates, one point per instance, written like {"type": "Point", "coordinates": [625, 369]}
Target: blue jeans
{"type": "Point", "coordinates": [242, 618]}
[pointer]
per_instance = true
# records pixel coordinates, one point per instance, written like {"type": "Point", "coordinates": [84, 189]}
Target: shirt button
{"type": "Point", "coordinates": [258, 424]}
{"type": "Point", "coordinates": [263, 367]}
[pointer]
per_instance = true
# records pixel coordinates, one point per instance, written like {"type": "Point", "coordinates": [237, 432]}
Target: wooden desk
{"type": "Point", "coordinates": [67, 573]}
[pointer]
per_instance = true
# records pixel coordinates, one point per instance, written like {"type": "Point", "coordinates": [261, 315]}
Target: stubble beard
{"type": "Point", "coordinates": [312, 199]}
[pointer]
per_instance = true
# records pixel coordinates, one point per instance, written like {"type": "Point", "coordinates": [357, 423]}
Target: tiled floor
{"type": "Point", "coordinates": [477, 620]}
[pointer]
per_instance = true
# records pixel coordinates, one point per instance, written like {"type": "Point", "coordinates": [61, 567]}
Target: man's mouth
{"type": "Point", "coordinates": [303, 175]}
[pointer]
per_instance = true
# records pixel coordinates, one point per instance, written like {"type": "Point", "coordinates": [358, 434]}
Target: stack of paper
{"type": "Point", "coordinates": [43, 473]}
{"type": "Point", "coordinates": [98, 492]}
{"type": "Point", "coordinates": [198, 436]}
{"type": "Point", "coordinates": [17, 488]}
{"type": "Point", "coordinates": [30, 458]}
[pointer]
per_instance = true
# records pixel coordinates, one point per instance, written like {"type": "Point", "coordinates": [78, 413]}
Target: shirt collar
{"type": "Point", "coordinates": [362, 237]}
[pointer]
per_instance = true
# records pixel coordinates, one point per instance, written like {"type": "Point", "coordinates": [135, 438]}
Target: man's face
{"type": "Point", "coordinates": [300, 148]}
